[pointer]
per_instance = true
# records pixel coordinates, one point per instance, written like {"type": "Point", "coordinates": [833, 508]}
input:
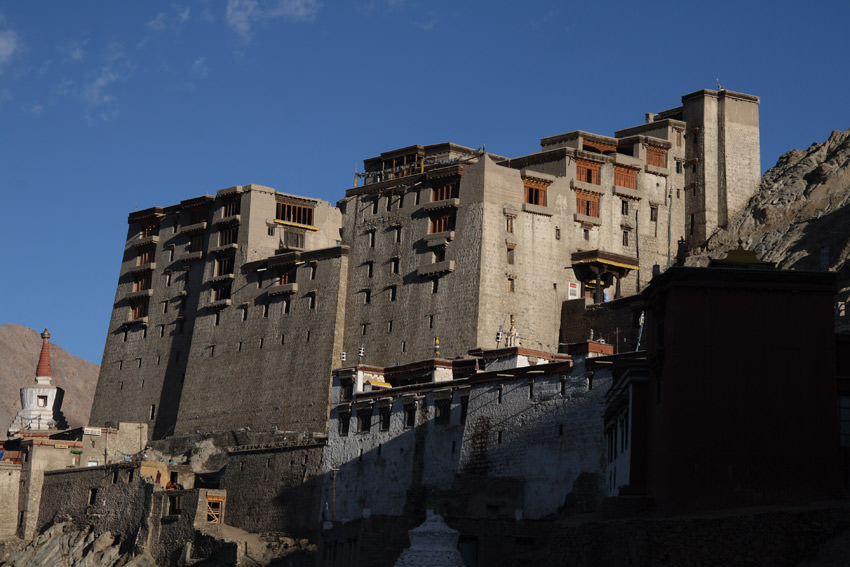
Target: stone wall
{"type": "Point", "coordinates": [10, 478]}
{"type": "Point", "coordinates": [113, 498]}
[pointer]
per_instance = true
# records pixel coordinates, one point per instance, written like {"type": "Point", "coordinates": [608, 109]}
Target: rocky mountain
{"type": "Point", "coordinates": [19, 350]}
{"type": "Point", "coordinates": [799, 218]}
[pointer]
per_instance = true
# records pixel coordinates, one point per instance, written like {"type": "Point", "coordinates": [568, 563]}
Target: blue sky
{"type": "Point", "coordinates": [109, 107]}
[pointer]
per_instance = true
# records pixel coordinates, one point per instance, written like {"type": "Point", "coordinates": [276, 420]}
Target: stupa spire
{"type": "Point", "coordinates": [43, 369]}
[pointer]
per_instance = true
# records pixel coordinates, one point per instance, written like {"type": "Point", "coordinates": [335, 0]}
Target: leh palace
{"type": "Point", "coordinates": [469, 359]}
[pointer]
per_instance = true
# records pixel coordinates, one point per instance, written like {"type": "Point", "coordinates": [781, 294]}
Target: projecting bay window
{"type": "Point", "coordinates": [226, 236]}
{"type": "Point", "coordinates": [446, 191]}
{"type": "Point", "coordinates": [587, 171]}
{"type": "Point", "coordinates": [148, 230]}
{"type": "Point", "coordinates": [224, 266]}
{"type": "Point", "coordinates": [443, 222]}
{"type": "Point", "coordinates": [287, 276]}
{"type": "Point", "coordinates": [535, 193]}
{"type": "Point", "coordinates": [142, 281]}
{"type": "Point", "coordinates": [221, 293]}
{"type": "Point", "coordinates": [138, 308]}
{"type": "Point", "coordinates": [298, 214]}
{"type": "Point", "coordinates": [625, 177]}
{"type": "Point", "coordinates": [145, 257]}
{"type": "Point", "coordinates": [587, 203]}
{"type": "Point", "coordinates": [231, 208]}
{"type": "Point", "coordinates": [293, 239]}
{"type": "Point", "coordinates": [656, 156]}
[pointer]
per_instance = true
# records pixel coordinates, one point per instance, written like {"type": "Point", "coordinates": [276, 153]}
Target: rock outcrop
{"type": "Point", "coordinates": [799, 218]}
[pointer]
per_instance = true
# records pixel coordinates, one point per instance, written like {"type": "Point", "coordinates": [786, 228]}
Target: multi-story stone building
{"type": "Point", "coordinates": [232, 311]}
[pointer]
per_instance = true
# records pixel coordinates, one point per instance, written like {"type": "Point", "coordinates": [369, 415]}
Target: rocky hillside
{"type": "Point", "coordinates": [800, 216]}
{"type": "Point", "coordinates": [19, 350]}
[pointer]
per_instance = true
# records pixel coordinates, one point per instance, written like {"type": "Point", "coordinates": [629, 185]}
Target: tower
{"type": "Point", "coordinates": [40, 403]}
{"type": "Point", "coordinates": [723, 165]}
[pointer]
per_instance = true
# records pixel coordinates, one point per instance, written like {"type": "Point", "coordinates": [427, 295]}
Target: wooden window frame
{"type": "Point", "coordinates": [656, 156]}
{"type": "Point", "coordinates": [298, 214]}
{"type": "Point", "coordinates": [588, 171]}
{"type": "Point", "coordinates": [587, 204]}
{"type": "Point", "coordinates": [443, 222]}
{"type": "Point", "coordinates": [448, 190]}
{"type": "Point", "coordinates": [625, 177]}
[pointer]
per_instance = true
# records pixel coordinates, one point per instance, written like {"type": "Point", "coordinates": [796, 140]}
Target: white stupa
{"type": "Point", "coordinates": [432, 544]}
{"type": "Point", "coordinates": [37, 401]}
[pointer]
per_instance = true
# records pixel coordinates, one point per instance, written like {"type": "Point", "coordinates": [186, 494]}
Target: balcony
{"type": "Point", "coordinates": [443, 204]}
{"type": "Point", "coordinates": [139, 294]}
{"type": "Point", "coordinates": [192, 255]}
{"type": "Point", "coordinates": [193, 228]}
{"type": "Point", "coordinates": [220, 304]}
{"type": "Point", "coordinates": [223, 247]}
{"type": "Point", "coordinates": [585, 219]}
{"type": "Point", "coordinates": [142, 267]}
{"type": "Point", "coordinates": [585, 186]}
{"type": "Point", "coordinates": [281, 289]}
{"type": "Point", "coordinates": [537, 209]}
{"type": "Point", "coordinates": [655, 170]}
{"type": "Point", "coordinates": [439, 238]}
{"type": "Point", "coordinates": [146, 241]}
{"type": "Point", "coordinates": [231, 219]}
{"type": "Point", "coordinates": [222, 278]}
{"type": "Point", "coordinates": [627, 192]}
{"type": "Point", "coordinates": [437, 268]}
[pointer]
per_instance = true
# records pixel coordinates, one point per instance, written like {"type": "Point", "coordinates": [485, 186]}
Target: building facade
{"type": "Point", "coordinates": [232, 311]}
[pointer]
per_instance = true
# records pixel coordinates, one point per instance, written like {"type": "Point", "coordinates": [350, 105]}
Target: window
{"type": "Point", "coordinates": [693, 224]}
{"type": "Point", "coordinates": [149, 230]}
{"type": "Point", "coordinates": [153, 411]}
{"type": "Point", "coordinates": [439, 254]}
{"type": "Point", "coordinates": [115, 477]}
{"type": "Point", "coordinates": [213, 511]}
{"type": "Point", "coordinates": [385, 418]}
{"type": "Point", "coordinates": [678, 167]}
{"type": "Point", "coordinates": [393, 292]}
{"type": "Point", "coordinates": [445, 191]}
{"type": "Point", "coordinates": [397, 234]}
{"type": "Point", "coordinates": [224, 265]}
{"type": "Point", "coordinates": [311, 300]}
{"type": "Point", "coordinates": [511, 285]}
{"type": "Point", "coordinates": [511, 248]}
{"type": "Point", "coordinates": [227, 235]}
{"type": "Point", "coordinates": [286, 304]}
{"type": "Point", "coordinates": [171, 253]}
{"type": "Point", "coordinates": [390, 326]}
{"type": "Point", "coordinates": [409, 415]}
{"type": "Point", "coordinates": [271, 231]}
{"type": "Point", "coordinates": [313, 268]}
{"type": "Point", "coordinates": [375, 203]}
{"type": "Point", "coordinates": [231, 208]}
{"type": "Point", "coordinates": [293, 239]}
{"type": "Point", "coordinates": [587, 171]}
{"type": "Point", "coordinates": [41, 401]}
{"type": "Point", "coordinates": [656, 156]}
{"type": "Point", "coordinates": [367, 296]}
{"type": "Point", "coordinates": [363, 328]}
{"type": "Point", "coordinates": [265, 310]}
{"type": "Point", "coordinates": [625, 238]}
{"type": "Point", "coordinates": [298, 214]}
{"type": "Point", "coordinates": [394, 262]}
{"type": "Point", "coordinates": [435, 285]}
{"type": "Point", "coordinates": [443, 222]}
{"type": "Point", "coordinates": [371, 234]}
{"type": "Point", "coordinates": [364, 420]}
{"type": "Point", "coordinates": [142, 281]}
{"type": "Point", "coordinates": [625, 177]}
{"type": "Point", "coordinates": [344, 422]}
{"type": "Point", "coordinates": [168, 279]}
{"type": "Point", "coordinates": [145, 257]}
{"type": "Point", "coordinates": [442, 411]}
{"type": "Point", "coordinates": [430, 321]}
{"type": "Point", "coordinates": [389, 203]}
{"type": "Point", "coordinates": [221, 293]}
{"type": "Point", "coordinates": [175, 504]}
{"type": "Point", "coordinates": [557, 233]}
{"type": "Point", "coordinates": [509, 223]}
{"type": "Point", "coordinates": [586, 234]}
{"type": "Point", "coordinates": [416, 198]}
{"type": "Point", "coordinates": [288, 275]}
{"type": "Point", "coordinates": [587, 203]}
{"type": "Point", "coordinates": [92, 496]}
{"type": "Point", "coordinates": [369, 269]}
{"type": "Point", "coordinates": [139, 309]}
{"type": "Point", "coordinates": [535, 193]}
{"type": "Point", "coordinates": [653, 214]}
{"type": "Point", "coordinates": [624, 207]}
{"type": "Point", "coordinates": [678, 137]}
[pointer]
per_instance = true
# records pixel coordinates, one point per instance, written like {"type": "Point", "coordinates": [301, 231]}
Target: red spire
{"type": "Point", "coordinates": [43, 368]}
